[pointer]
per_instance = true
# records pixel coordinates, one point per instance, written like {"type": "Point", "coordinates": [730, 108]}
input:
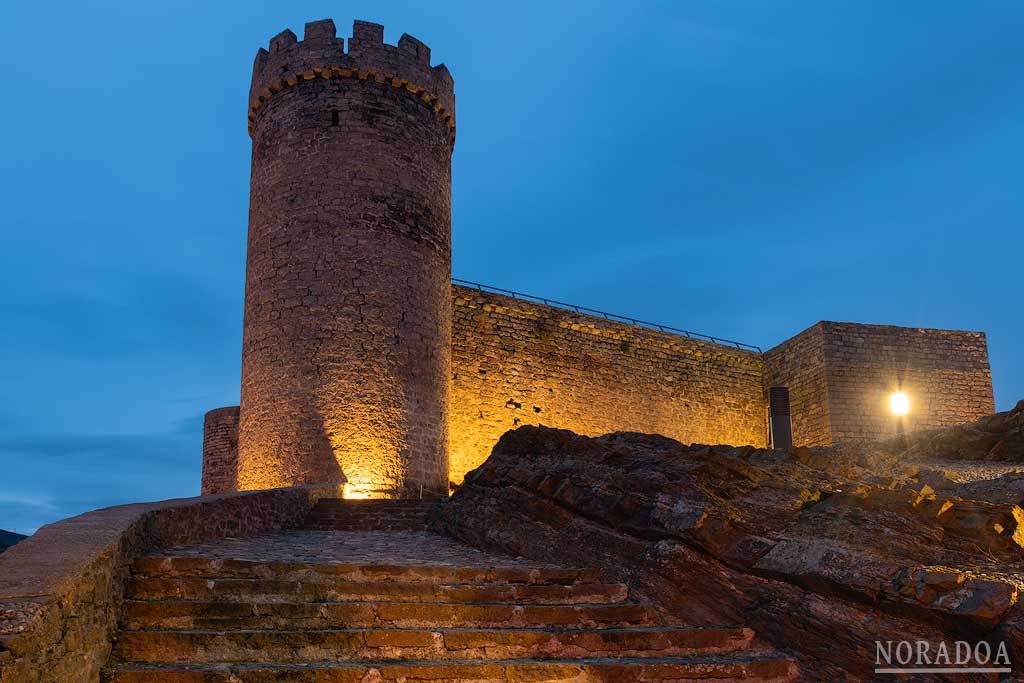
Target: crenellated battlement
{"type": "Point", "coordinates": [321, 54]}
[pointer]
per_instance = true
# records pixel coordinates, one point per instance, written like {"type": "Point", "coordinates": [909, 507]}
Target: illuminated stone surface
{"type": "Point", "coordinates": [370, 515]}
{"type": "Point", "coordinates": [519, 363]}
{"type": "Point", "coordinates": [522, 363]}
{"type": "Point", "coordinates": [62, 589]}
{"type": "Point", "coordinates": [362, 364]}
{"type": "Point", "coordinates": [346, 341]}
{"type": "Point", "coordinates": [822, 551]}
{"type": "Point", "coordinates": [403, 606]}
{"type": "Point", "coordinates": [220, 451]}
{"type": "Point", "coordinates": [841, 376]}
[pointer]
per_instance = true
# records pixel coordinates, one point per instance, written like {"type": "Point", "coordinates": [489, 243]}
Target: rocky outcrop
{"type": "Point", "coordinates": [997, 438]}
{"type": "Point", "coordinates": [824, 551]}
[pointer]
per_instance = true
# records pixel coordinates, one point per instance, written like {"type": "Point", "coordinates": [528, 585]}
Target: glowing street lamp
{"type": "Point", "coordinates": [899, 404]}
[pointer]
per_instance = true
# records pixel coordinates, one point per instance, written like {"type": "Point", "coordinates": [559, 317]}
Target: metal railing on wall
{"type": "Point", "coordinates": [608, 316]}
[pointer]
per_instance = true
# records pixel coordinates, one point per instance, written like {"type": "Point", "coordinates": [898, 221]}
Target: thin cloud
{"type": "Point", "coordinates": [170, 447]}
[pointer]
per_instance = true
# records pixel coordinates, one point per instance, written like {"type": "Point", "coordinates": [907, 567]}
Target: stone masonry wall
{"type": "Point", "coordinates": [944, 372]}
{"type": "Point", "coordinates": [841, 375]}
{"type": "Point", "coordinates": [347, 326]}
{"type": "Point", "coordinates": [220, 451]}
{"type": "Point", "coordinates": [516, 362]}
{"type": "Point", "coordinates": [62, 589]}
{"type": "Point", "coordinates": [799, 364]}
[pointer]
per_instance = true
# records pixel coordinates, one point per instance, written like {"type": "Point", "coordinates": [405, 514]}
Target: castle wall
{"type": "Point", "coordinates": [944, 372]}
{"type": "Point", "coordinates": [516, 362]}
{"type": "Point", "coordinates": [799, 365]}
{"type": "Point", "coordinates": [220, 451]}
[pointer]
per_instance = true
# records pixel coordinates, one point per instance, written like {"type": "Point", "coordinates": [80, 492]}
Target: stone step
{"type": "Point", "coordinates": [333, 514]}
{"type": "Point", "coordinates": [377, 523]}
{"type": "Point", "coordinates": [360, 517]}
{"type": "Point", "coordinates": [356, 514]}
{"type": "Point", "coordinates": [284, 615]}
{"type": "Point", "coordinates": [365, 519]}
{"type": "Point", "coordinates": [388, 526]}
{"type": "Point", "coordinates": [752, 667]}
{"type": "Point", "coordinates": [370, 507]}
{"type": "Point", "coordinates": [395, 512]}
{"type": "Point", "coordinates": [368, 525]}
{"type": "Point", "coordinates": [378, 503]}
{"type": "Point", "coordinates": [434, 644]}
{"type": "Point", "coordinates": [341, 513]}
{"type": "Point", "coordinates": [347, 514]}
{"type": "Point", "coordinates": [203, 567]}
{"type": "Point", "coordinates": [362, 509]}
{"type": "Point", "coordinates": [275, 590]}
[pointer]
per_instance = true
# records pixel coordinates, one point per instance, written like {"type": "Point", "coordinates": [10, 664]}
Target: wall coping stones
{"type": "Point", "coordinates": [584, 323]}
{"type": "Point", "coordinates": [61, 589]}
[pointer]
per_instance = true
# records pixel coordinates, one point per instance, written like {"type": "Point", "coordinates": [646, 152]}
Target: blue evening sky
{"type": "Point", "coordinates": [740, 168]}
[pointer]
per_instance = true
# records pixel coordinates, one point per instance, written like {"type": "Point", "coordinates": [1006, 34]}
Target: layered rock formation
{"type": "Point", "coordinates": [824, 551]}
{"type": "Point", "coordinates": [998, 437]}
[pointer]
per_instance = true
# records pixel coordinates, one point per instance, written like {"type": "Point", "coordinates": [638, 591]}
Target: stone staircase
{"type": "Point", "coordinates": [336, 514]}
{"type": "Point", "coordinates": [313, 606]}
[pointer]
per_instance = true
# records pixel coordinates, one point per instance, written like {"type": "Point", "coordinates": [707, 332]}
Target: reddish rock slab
{"type": "Point", "coordinates": [822, 551]}
{"type": "Point", "coordinates": [750, 668]}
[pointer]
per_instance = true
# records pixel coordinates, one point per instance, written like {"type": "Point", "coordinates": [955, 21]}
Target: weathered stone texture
{"type": "Point", "coordinates": [517, 363]}
{"type": "Point", "coordinates": [993, 438]}
{"type": "Point", "coordinates": [404, 514]}
{"type": "Point", "coordinates": [823, 550]}
{"type": "Point", "coordinates": [321, 54]}
{"type": "Point", "coordinates": [61, 590]}
{"type": "Point", "coordinates": [345, 360]}
{"type": "Point", "coordinates": [799, 365]}
{"type": "Point", "coordinates": [400, 607]}
{"type": "Point", "coordinates": [841, 376]}
{"type": "Point", "coordinates": [945, 373]}
{"type": "Point", "coordinates": [220, 451]}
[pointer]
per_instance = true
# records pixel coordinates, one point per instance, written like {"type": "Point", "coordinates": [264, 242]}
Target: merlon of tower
{"type": "Point", "coordinates": [321, 54]}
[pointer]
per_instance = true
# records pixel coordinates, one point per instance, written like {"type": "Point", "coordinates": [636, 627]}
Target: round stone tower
{"type": "Point", "coordinates": [347, 333]}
